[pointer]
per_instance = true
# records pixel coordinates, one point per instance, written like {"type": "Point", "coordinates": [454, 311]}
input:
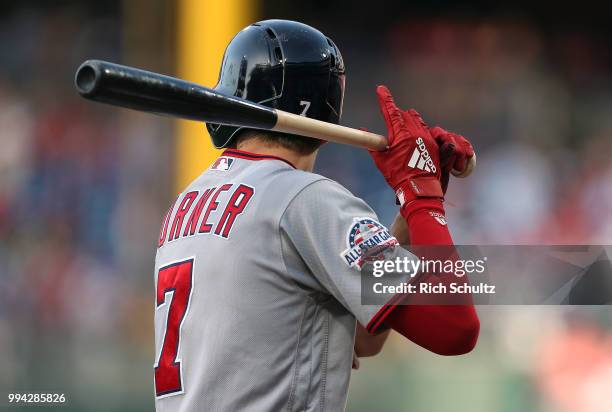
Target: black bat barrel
{"type": "Point", "coordinates": [152, 92]}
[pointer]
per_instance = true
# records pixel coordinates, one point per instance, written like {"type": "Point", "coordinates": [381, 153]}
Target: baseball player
{"type": "Point", "coordinates": [259, 261]}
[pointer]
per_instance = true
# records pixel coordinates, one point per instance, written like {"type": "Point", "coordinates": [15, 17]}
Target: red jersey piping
{"type": "Point", "coordinates": [242, 154]}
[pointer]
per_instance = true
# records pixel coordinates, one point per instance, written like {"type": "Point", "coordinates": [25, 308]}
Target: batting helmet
{"type": "Point", "coordinates": [285, 65]}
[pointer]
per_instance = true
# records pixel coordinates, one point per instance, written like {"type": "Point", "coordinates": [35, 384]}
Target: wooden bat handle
{"type": "Point", "coordinates": [294, 124]}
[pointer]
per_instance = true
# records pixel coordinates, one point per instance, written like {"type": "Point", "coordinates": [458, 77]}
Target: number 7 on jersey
{"type": "Point", "coordinates": [174, 285]}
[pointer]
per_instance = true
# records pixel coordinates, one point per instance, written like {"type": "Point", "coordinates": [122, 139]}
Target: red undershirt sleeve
{"type": "Point", "coordinates": [443, 329]}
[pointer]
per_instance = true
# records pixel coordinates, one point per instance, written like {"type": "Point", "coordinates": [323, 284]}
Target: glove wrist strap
{"type": "Point", "coordinates": [419, 187]}
{"type": "Point", "coordinates": [419, 193]}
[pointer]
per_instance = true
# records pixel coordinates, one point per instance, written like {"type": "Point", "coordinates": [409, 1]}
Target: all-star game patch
{"type": "Point", "coordinates": [367, 240]}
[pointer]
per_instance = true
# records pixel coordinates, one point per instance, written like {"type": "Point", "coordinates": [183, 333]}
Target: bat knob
{"type": "Point", "coordinates": [87, 77]}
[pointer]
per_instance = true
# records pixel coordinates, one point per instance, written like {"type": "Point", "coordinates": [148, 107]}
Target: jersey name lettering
{"type": "Point", "coordinates": [215, 209]}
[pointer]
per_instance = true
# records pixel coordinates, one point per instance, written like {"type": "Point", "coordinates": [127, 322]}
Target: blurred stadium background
{"type": "Point", "coordinates": [83, 187]}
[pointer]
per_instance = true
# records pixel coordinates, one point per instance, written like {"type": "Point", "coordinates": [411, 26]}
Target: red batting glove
{"type": "Point", "coordinates": [462, 149]}
{"type": "Point", "coordinates": [455, 151]}
{"type": "Point", "coordinates": [411, 164]}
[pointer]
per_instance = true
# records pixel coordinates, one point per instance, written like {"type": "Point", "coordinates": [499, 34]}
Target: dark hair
{"type": "Point", "coordinates": [300, 144]}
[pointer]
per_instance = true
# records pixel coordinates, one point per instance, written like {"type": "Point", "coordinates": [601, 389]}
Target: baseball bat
{"type": "Point", "coordinates": [156, 93]}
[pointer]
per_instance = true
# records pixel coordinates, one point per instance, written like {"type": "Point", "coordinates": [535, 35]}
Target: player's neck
{"type": "Point", "coordinates": [300, 161]}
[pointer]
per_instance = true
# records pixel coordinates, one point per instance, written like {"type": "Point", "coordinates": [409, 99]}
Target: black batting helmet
{"type": "Point", "coordinates": [285, 65]}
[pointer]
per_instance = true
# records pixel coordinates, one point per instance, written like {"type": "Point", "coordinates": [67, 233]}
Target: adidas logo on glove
{"type": "Point", "coordinates": [420, 158]}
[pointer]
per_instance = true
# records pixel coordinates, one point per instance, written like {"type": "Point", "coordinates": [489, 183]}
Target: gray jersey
{"type": "Point", "coordinates": [258, 289]}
